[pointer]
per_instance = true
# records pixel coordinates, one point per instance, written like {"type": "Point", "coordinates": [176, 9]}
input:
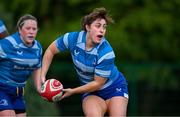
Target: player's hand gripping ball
{"type": "Point", "coordinates": [52, 90]}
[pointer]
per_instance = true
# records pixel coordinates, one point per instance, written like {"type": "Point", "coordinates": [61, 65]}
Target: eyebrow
{"type": "Point", "coordinates": [100, 23]}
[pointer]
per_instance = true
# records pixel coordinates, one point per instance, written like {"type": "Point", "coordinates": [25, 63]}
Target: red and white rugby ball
{"type": "Point", "coordinates": [52, 90]}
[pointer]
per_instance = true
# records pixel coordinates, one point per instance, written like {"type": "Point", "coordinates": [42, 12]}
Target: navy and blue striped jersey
{"type": "Point", "coordinates": [17, 61]}
{"type": "Point", "coordinates": [98, 61]}
{"type": "Point", "coordinates": [2, 26]}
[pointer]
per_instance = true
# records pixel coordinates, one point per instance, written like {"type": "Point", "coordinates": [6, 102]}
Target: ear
{"type": "Point", "coordinates": [19, 29]}
{"type": "Point", "coordinates": [87, 27]}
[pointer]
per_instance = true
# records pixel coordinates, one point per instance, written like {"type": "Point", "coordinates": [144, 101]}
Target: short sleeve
{"type": "Point", "coordinates": [66, 41]}
{"type": "Point", "coordinates": [105, 65]}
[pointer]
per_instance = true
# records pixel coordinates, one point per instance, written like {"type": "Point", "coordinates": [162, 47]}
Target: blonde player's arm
{"type": "Point", "coordinates": [37, 79]}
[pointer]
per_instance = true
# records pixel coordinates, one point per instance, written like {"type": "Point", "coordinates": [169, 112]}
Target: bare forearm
{"type": "Point", "coordinates": [37, 79]}
{"type": "Point", "coordinates": [90, 87]}
{"type": "Point", "coordinates": [47, 59]}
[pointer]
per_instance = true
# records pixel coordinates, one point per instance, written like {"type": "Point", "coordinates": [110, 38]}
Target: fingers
{"type": "Point", "coordinates": [62, 97]}
{"type": "Point", "coordinates": [67, 93]}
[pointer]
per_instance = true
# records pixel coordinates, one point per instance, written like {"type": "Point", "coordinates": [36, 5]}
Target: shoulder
{"type": "Point", "coordinates": [68, 35]}
{"type": "Point", "coordinates": [7, 43]}
{"type": "Point", "coordinates": [38, 43]}
{"type": "Point", "coordinates": [37, 46]}
{"type": "Point", "coordinates": [105, 52]}
{"type": "Point", "coordinates": [70, 38]}
{"type": "Point", "coordinates": [72, 35]}
{"type": "Point", "coordinates": [11, 39]}
{"type": "Point", "coordinates": [104, 46]}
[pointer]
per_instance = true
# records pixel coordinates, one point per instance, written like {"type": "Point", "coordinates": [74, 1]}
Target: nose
{"type": "Point", "coordinates": [102, 30]}
{"type": "Point", "coordinates": [32, 31]}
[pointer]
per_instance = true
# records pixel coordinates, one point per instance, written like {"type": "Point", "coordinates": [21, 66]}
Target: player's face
{"type": "Point", "coordinates": [28, 31]}
{"type": "Point", "coordinates": [97, 30]}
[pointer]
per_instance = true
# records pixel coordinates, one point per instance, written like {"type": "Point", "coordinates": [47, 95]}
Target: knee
{"type": "Point", "coordinates": [7, 113]}
{"type": "Point", "coordinates": [93, 113]}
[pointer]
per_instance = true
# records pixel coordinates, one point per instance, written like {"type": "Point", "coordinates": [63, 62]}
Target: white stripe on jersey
{"type": "Point", "coordinates": [23, 61]}
{"type": "Point", "coordinates": [65, 40]}
{"type": "Point", "coordinates": [81, 45]}
{"type": "Point", "coordinates": [2, 53]}
{"type": "Point", "coordinates": [21, 45]}
{"type": "Point", "coordinates": [80, 37]}
{"type": "Point", "coordinates": [103, 73]}
{"type": "Point", "coordinates": [109, 55]}
{"type": "Point", "coordinates": [83, 67]}
{"type": "Point", "coordinates": [84, 78]}
{"type": "Point", "coordinates": [12, 41]}
{"type": "Point", "coordinates": [35, 46]}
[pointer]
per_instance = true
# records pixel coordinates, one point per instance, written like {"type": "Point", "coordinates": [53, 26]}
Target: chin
{"type": "Point", "coordinates": [29, 43]}
{"type": "Point", "coordinates": [98, 41]}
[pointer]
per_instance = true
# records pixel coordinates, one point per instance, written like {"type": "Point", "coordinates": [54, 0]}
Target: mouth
{"type": "Point", "coordinates": [31, 37]}
{"type": "Point", "coordinates": [99, 36]}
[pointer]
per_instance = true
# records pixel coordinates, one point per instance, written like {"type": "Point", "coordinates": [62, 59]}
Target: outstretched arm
{"type": "Point", "coordinates": [89, 87]}
{"type": "Point", "coordinates": [47, 59]}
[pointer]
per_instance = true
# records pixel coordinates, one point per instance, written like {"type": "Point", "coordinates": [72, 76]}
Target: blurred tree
{"type": "Point", "coordinates": [146, 30]}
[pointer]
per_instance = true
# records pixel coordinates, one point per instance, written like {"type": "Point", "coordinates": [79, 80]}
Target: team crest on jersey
{"type": "Point", "coordinates": [3, 102]}
{"type": "Point", "coordinates": [118, 89]}
{"type": "Point", "coordinates": [19, 52]}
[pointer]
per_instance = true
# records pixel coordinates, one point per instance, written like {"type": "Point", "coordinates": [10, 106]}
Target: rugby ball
{"type": "Point", "coordinates": [51, 90]}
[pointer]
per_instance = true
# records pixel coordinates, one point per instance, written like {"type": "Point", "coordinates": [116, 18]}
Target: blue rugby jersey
{"type": "Point", "coordinates": [98, 61]}
{"type": "Point", "coordinates": [17, 61]}
{"type": "Point", "coordinates": [2, 26]}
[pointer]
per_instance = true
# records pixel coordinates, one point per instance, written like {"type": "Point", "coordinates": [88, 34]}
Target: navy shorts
{"type": "Point", "coordinates": [116, 89]}
{"type": "Point", "coordinates": [11, 98]}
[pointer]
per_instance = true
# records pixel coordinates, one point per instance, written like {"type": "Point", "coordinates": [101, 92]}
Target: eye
{"type": "Point", "coordinates": [104, 27]}
{"type": "Point", "coordinates": [34, 29]}
{"type": "Point", "coordinates": [27, 28]}
{"type": "Point", "coordinates": [97, 25]}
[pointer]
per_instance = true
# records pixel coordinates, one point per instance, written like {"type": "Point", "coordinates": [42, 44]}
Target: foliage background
{"type": "Point", "coordinates": [145, 38]}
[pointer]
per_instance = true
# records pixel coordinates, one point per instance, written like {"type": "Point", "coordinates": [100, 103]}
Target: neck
{"type": "Point", "coordinates": [89, 43]}
{"type": "Point", "coordinates": [27, 44]}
